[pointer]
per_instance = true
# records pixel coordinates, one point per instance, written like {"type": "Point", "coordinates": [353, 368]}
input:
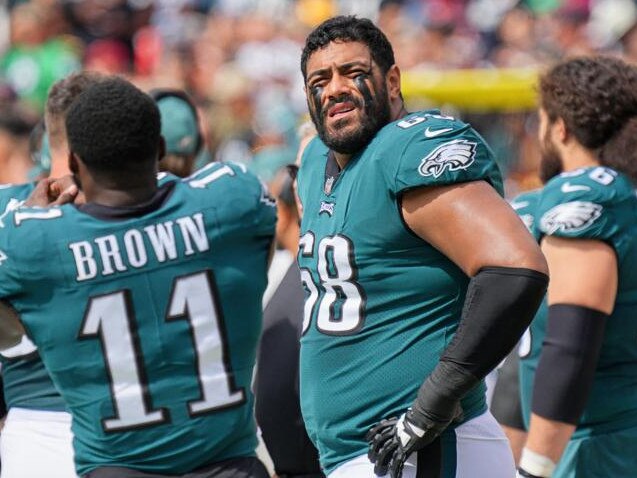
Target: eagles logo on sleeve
{"type": "Point", "coordinates": [454, 155]}
{"type": "Point", "coordinates": [527, 219]}
{"type": "Point", "coordinates": [570, 217]}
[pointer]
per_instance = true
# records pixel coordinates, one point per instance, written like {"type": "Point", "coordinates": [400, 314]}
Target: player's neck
{"type": "Point", "coordinates": [397, 111]}
{"type": "Point", "coordinates": [114, 196]}
{"type": "Point", "coordinates": [342, 159]}
{"type": "Point", "coordinates": [578, 157]}
{"type": "Point", "coordinates": [59, 168]}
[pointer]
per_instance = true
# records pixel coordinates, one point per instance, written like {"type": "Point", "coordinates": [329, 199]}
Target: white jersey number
{"type": "Point", "coordinates": [339, 297]}
{"type": "Point", "coordinates": [111, 318]}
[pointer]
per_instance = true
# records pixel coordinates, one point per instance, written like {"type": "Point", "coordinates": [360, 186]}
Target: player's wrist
{"type": "Point", "coordinates": [440, 394]}
{"type": "Point", "coordinates": [535, 465]}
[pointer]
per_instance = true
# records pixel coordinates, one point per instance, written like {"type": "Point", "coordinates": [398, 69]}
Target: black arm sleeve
{"type": "Point", "coordinates": [500, 304]}
{"type": "Point", "coordinates": [570, 352]}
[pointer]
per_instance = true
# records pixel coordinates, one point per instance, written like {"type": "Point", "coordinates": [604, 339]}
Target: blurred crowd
{"type": "Point", "coordinates": [239, 61]}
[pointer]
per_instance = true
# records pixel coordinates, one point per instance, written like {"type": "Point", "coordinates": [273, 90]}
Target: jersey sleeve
{"type": "Point", "coordinates": [265, 218]}
{"type": "Point", "coordinates": [585, 205]}
{"type": "Point", "coordinates": [10, 259]}
{"type": "Point", "coordinates": [241, 191]}
{"type": "Point", "coordinates": [437, 152]}
{"type": "Point", "coordinates": [525, 206]}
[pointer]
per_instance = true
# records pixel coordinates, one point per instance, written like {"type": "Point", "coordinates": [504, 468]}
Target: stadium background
{"type": "Point", "coordinates": [239, 60]}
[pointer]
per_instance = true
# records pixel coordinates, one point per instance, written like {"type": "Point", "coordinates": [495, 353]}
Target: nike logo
{"type": "Point", "coordinates": [436, 132]}
{"type": "Point", "coordinates": [571, 188]}
{"type": "Point", "coordinates": [519, 205]}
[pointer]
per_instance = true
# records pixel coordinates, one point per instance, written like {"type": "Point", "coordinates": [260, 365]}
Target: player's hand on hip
{"type": "Point", "coordinates": [392, 441]}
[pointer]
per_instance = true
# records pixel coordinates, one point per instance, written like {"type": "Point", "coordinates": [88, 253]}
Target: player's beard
{"type": "Point", "coordinates": [551, 162]}
{"type": "Point", "coordinates": [375, 114]}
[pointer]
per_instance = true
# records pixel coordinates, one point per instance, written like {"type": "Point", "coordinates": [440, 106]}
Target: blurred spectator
{"type": "Point", "coordinates": [7, 94]}
{"type": "Point", "coordinates": [15, 128]}
{"type": "Point", "coordinates": [629, 44]}
{"type": "Point", "coordinates": [180, 129]}
{"type": "Point", "coordinates": [239, 60]}
{"type": "Point", "coordinates": [277, 405]}
{"type": "Point", "coordinates": [37, 58]}
{"type": "Point", "coordinates": [113, 20]}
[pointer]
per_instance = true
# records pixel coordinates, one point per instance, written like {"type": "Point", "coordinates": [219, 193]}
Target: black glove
{"type": "Point", "coordinates": [522, 473]}
{"type": "Point", "coordinates": [393, 440]}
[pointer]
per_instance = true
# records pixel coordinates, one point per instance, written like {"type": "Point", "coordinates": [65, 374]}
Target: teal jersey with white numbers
{"type": "Point", "coordinates": [525, 205]}
{"type": "Point", "coordinates": [595, 203]}
{"type": "Point", "coordinates": [148, 318]}
{"type": "Point", "coordinates": [25, 381]}
{"type": "Point", "coordinates": [381, 303]}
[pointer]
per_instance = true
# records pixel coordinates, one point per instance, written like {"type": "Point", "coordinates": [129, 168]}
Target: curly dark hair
{"type": "Point", "coordinates": [113, 126]}
{"type": "Point", "coordinates": [620, 152]}
{"type": "Point", "coordinates": [595, 96]}
{"type": "Point", "coordinates": [349, 28]}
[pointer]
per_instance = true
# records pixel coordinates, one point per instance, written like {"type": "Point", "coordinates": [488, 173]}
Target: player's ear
{"type": "Point", "coordinates": [161, 150]}
{"type": "Point", "coordinates": [73, 165]}
{"type": "Point", "coordinates": [392, 78]}
{"type": "Point", "coordinates": [561, 130]}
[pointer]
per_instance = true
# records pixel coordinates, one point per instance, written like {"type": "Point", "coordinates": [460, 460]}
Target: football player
{"type": "Point", "coordinates": [578, 366]}
{"type": "Point", "coordinates": [36, 439]}
{"type": "Point", "coordinates": [180, 130]}
{"type": "Point", "coordinates": [145, 302]}
{"type": "Point", "coordinates": [277, 379]}
{"type": "Point", "coordinates": [505, 404]}
{"type": "Point", "coordinates": [419, 276]}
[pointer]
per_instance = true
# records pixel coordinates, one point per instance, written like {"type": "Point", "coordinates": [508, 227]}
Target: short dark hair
{"type": "Point", "coordinates": [349, 28]}
{"type": "Point", "coordinates": [16, 121]}
{"type": "Point", "coordinates": [595, 96]}
{"type": "Point", "coordinates": [60, 98]}
{"type": "Point", "coordinates": [114, 126]}
{"type": "Point", "coordinates": [63, 92]}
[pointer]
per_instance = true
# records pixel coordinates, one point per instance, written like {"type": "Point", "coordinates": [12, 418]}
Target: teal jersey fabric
{"type": "Point", "coordinates": [525, 205]}
{"type": "Point", "coordinates": [148, 319]}
{"type": "Point", "coordinates": [381, 303]}
{"type": "Point", "coordinates": [595, 203]}
{"type": "Point", "coordinates": [26, 383]}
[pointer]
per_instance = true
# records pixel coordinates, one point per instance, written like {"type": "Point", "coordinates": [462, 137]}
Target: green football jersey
{"type": "Point", "coordinates": [595, 203]}
{"type": "Point", "coordinates": [381, 303]}
{"type": "Point", "coordinates": [25, 381]}
{"type": "Point", "coordinates": [148, 318]}
{"type": "Point", "coordinates": [525, 205]}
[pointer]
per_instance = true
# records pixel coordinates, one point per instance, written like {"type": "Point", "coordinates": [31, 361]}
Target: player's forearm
{"type": "Point", "coordinates": [545, 444]}
{"type": "Point", "coordinates": [548, 437]}
{"type": "Point", "coordinates": [500, 304]}
{"type": "Point", "coordinates": [11, 330]}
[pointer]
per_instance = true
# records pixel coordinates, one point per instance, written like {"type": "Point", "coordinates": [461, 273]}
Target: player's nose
{"type": "Point", "coordinates": [337, 86]}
